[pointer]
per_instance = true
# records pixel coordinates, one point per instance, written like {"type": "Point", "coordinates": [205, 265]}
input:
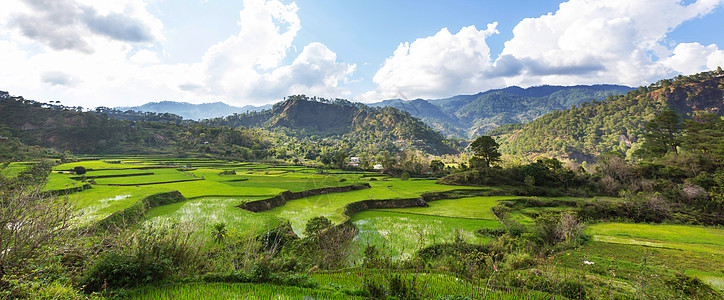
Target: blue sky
{"type": "Point", "coordinates": [128, 52]}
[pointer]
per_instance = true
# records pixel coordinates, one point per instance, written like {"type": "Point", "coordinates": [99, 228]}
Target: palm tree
{"type": "Point", "coordinates": [219, 232]}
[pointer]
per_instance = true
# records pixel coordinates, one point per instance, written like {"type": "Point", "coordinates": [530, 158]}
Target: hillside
{"type": "Point", "coordinates": [615, 124]}
{"type": "Point", "coordinates": [355, 124]}
{"type": "Point", "coordinates": [472, 115]}
{"type": "Point", "coordinates": [194, 111]}
{"type": "Point", "coordinates": [106, 131]}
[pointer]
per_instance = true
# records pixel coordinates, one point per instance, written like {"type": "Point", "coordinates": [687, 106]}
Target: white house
{"type": "Point", "coordinates": [378, 167]}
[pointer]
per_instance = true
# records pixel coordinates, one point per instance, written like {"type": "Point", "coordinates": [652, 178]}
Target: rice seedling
{"type": "Point", "coordinates": [222, 291]}
{"type": "Point", "coordinates": [403, 233]}
{"type": "Point", "coordinates": [683, 237]}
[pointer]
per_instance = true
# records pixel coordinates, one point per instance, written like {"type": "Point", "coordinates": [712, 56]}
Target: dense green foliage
{"type": "Point", "coordinates": [103, 131]}
{"type": "Point", "coordinates": [465, 116]}
{"type": "Point", "coordinates": [355, 126]}
{"type": "Point", "coordinates": [615, 124]}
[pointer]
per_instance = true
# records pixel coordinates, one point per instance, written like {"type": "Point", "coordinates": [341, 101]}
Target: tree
{"type": "Point", "coordinates": [79, 170]}
{"type": "Point", "coordinates": [340, 159]}
{"type": "Point", "coordinates": [705, 134]}
{"type": "Point", "coordinates": [316, 225]}
{"type": "Point", "coordinates": [436, 165]}
{"type": "Point", "coordinates": [219, 232]}
{"type": "Point", "coordinates": [485, 150]}
{"type": "Point", "coordinates": [662, 135]}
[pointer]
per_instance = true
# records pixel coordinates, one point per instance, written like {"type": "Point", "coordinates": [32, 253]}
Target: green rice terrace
{"type": "Point", "coordinates": [336, 234]}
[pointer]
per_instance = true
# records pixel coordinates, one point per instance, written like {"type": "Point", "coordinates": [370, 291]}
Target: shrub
{"type": "Point", "coordinates": [227, 172]}
{"type": "Point", "coordinates": [120, 270]}
{"type": "Point", "coordinates": [518, 260]}
{"type": "Point", "coordinates": [316, 225]}
{"type": "Point", "coordinates": [144, 256]}
{"type": "Point", "coordinates": [691, 287]}
{"type": "Point", "coordinates": [79, 170]}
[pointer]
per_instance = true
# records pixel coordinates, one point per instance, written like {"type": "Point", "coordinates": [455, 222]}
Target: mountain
{"type": "Point", "coordinates": [468, 116]}
{"type": "Point", "coordinates": [355, 124]}
{"type": "Point", "coordinates": [614, 124]}
{"type": "Point", "coordinates": [60, 128]}
{"type": "Point", "coordinates": [194, 111]}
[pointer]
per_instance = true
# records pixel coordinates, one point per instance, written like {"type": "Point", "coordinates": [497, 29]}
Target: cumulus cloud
{"type": "Point", "coordinates": [588, 41]}
{"type": "Point", "coordinates": [693, 57]}
{"type": "Point", "coordinates": [116, 60]}
{"type": "Point", "coordinates": [249, 65]}
{"type": "Point", "coordinates": [69, 25]}
{"type": "Point", "coordinates": [435, 65]}
{"type": "Point", "coordinates": [583, 42]}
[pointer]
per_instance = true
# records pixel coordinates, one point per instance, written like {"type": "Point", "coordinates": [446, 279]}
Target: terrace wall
{"type": "Point", "coordinates": [67, 191]}
{"type": "Point", "coordinates": [137, 211]}
{"type": "Point", "coordinates": [283, 197]}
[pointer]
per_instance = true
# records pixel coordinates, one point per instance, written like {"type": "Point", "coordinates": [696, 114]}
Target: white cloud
{"type": "Point", "coordinates": [106, 53]}
{"type": "Point", "coordinates": [593, 41]}
{"type": "Point", "coordinates": [435, 65]}
{"type": "Point", "coordinates": [690, 58]}
{"type": "Point", "coordinates": [583, 42]}
{"type": "Point", "coordinates": [145, 57]}
{"type": "Point", "coordinates": [248, 65]}
{"type": "Point", "coordinates": [71, 25]}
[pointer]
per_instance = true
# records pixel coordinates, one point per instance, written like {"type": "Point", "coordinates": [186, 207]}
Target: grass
{"type": "Point", "coordinates": [100, 201]}
{"type": "Point", "coordinates": [210, 291]}
{"type": "Point", "coordinates": [624, 263]}
{"type": "Point", "coordinates": [429, 284]}
{"type": "Point", "coordinates": [473, 207]}
{"type": "Point", "coordinates": [682, 237]}
{"type": "Point", "coordinates": [208, 211]}
{"type": "Point", "coordinates": [13, 169]}
{"type": "Point", "coordinates": [403, 233]}
{"type": "Point", "coordinates": [299, 211]}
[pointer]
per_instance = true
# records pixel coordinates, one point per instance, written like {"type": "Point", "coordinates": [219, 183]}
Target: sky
{"type": "Point", "coordinates": [115, 53]}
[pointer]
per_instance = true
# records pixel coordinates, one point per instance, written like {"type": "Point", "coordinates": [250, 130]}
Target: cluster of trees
{"type": "Point", "coordinates": [615, 124]}
{"type": "Point", "coordinates": [25, 122]}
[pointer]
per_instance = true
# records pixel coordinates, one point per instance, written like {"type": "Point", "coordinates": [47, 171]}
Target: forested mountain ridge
{"type": "Point", "coordinates": [355, 124]}
{"type": "Point", "coordinates": [106, 131]}
{"type": "Point", "coordinates": [614, 124]}
{"type": "Point", "coordinates": [472, 115]}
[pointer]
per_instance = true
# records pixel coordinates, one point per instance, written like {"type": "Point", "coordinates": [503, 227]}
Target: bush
{"type": "Point", "coordinates": [116, 270]}
{"type": "Point", "coordinates": [147, 255]}
{"type": "Point", "coordinates": [691, 287]}
{"type": "Point", "coordinates": [227, 172]}
{"type": "Point", "coordinates": [316, 225]}
{"type": "Point", "coordinates": [79, 170]}
{"type": "Point", "coordinates": [518, 260]}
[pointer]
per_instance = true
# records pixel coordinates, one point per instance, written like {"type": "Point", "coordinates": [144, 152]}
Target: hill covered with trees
{"type": "Point", "coordinates": [352, 124]}
{"type": "Point", "coordinates": [616, 123]}
{"type": "Point", "coordinates": [26, 123]}
{"type": "Point", "coordinates": [466, 116]}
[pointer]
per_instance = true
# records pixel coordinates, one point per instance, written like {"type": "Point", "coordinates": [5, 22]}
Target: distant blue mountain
{"type": "Point", "coordinates": [195, 111]}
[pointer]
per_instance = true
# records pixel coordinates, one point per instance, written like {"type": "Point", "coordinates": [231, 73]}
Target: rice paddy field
{"type": "Point", "coordinates": [697, 251]}
{"type": "Point", "coordinates": [223, 291]}
{"type": "Point", "coordinates": [212, 197]}
{"type": "Point", "coordinates": [400, 234]}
